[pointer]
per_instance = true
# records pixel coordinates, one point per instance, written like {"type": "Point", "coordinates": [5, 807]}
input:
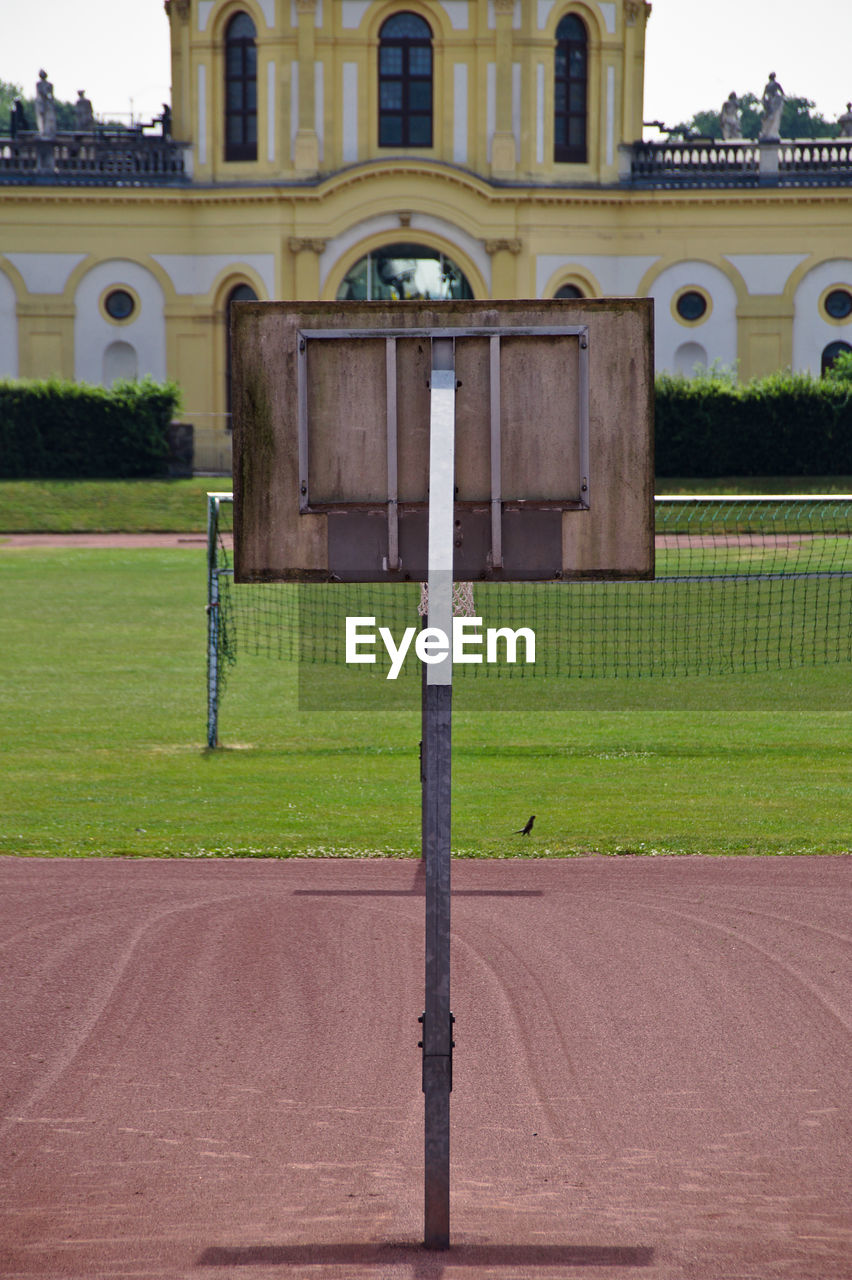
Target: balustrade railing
{"type": "Point", "coordinates": [109, 160]}
{"type": "Point", "coordinates": [740, 163]}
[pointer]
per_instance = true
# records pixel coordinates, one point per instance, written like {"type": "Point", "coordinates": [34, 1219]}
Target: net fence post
{"type": "Point", "coordinates": [212, 620]}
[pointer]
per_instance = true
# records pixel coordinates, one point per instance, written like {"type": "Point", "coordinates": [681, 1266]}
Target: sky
{"type": "Point", "coordinates": [698, 51]}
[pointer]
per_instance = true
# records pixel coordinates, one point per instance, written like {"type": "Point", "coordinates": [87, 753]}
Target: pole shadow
{"type": "Point", "coordinates": [425, 1264]}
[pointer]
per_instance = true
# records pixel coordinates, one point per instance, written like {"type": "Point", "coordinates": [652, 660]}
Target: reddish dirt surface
{"type": "Point", "coordinates": [71, 540]}
{"type": "Point", "coordinates": [210, 1069]}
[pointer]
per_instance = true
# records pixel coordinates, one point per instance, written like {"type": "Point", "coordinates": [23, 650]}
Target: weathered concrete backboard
{"type": "Point", "coordinates": [554, 439]}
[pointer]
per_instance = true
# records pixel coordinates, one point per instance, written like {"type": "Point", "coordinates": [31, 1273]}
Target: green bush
{"type": "Point", "coordinates": [68, 430]}
{"type": "Point", "coordinates": [785, 424]}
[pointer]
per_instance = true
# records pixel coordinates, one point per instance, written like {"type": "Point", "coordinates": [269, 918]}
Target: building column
{"type": "Point", "coordinates": [306, 149]}
{"type": "Point", "coordinates": [306, 252]}
{"type": "Point", "coordinates": [504, 273]}
{"type": "Point", "coordinates": [178, 12]}
{"type": "Point", "coordinates": [503, 158]}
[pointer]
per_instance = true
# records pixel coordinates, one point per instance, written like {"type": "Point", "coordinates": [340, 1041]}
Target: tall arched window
{"type": "Point", "coordinates": [570, 92]}
{"type": "Point", "coordinates": [405, 82]}
{"type": "Point", "coordinates": [240, 89]}
{"type": "Point", "coordinates": [240, 293]}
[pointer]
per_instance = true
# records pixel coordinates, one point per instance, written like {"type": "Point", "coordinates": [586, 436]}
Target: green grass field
{"type": "Point", "coordinates": [177, 506]}
{"type": "Point", "coordinates": [103, 714]}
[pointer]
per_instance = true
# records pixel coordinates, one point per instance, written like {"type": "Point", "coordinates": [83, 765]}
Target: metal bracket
{"type": "Point", "coordinates": [436, 1057]}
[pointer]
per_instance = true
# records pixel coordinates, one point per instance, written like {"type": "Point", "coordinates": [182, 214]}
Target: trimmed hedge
{"type": "Point", "coordinates": [784, 425]}
{"type": "Point", "coordinates": [68, 430]}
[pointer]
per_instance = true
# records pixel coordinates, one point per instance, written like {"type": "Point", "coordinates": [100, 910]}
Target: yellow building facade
{"type": "Point", "coordinates": [371, 148]}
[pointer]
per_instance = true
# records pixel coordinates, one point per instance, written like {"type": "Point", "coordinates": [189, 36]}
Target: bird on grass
{"type": "Point", "coordinates": [524, 831]}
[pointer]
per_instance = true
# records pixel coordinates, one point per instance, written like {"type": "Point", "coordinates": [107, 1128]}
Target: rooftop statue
{"type": "Point", "coordinates": [45, 107]}
{"type": "Point", "coordinates": [84, 117]}
{"type": "Point", "coordinates": [730, 118]}
{"type": "Point", "coordinates": [773, 105]}
{"type": "Point", "coordinates": [845, 122]}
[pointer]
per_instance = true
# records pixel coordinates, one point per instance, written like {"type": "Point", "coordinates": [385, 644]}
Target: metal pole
{"type": "Point", "coordinates": [212, 621]}
{"type": "Point", "coordinates": [437, 1040]}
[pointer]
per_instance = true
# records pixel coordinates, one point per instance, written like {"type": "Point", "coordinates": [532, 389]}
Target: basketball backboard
{"type": "Point", "coordinates": [553, 439]}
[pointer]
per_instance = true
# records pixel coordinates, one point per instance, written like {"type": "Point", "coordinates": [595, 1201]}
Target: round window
{"type": "Point", "coordinates": [838, 304]}
{"type": "Point", "coordinates": [119, 304]}
{"type": "Point", "coordinates": [691, 305]}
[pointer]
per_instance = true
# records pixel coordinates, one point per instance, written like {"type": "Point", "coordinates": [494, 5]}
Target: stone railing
{"type": "Point", "coordinates": [703, 163]}
{"type": "Point", "coordinates": [112, 159]}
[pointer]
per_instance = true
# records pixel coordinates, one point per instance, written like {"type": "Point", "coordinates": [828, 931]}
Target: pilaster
{"type": "Point", "coordinates": [503, 155]}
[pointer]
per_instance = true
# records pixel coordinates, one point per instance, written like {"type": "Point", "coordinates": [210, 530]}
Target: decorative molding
{"type": "Point", "coordinates": [309, 244]}
{"type": "Point", "coordinates": [509, 245]}
{"type": "Point", "coordinates": [180, 7]}
{"type": "Point", "coordinates": [634, 9]}
{"type": "Point", "coordinates": [404, 218]}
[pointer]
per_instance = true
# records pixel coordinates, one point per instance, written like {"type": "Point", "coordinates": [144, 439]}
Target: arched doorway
{"type": "Point", "coordinates": [404, 272]}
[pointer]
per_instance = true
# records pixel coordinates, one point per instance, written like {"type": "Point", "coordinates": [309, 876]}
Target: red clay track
{"type": "Point", "coordinates": [211, 1070]}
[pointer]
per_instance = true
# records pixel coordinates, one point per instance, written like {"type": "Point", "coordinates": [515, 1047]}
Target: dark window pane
{"type": "Point", "coordinates": [235, 94]}
{"type": "Point", "coordinates": [830, 354]}
{"type": "Point", "coordinates": [251, 95]}
{"type": "Point", "coordinates": [390, 60]}
{"type": "Point", "coordinates": [577, 97]}
{"type": "Point", "coordinates": [234, 60]}
{"type": "Point", "coordinates": [420, 131]}
{"type": "Point", "coordinates": [420, 61]}
{"type": "Point", "coordinates": [390, 95]}
{"type": "Point", "coordinates": [390, 131]}
{"type": "Point", "coordinates": [234, 131]}
{"type": "Point", "coordinates": [568, 291]}
{"type": "Point", "coordinates": [577, 62]}
{"type": "Point", "coordinates": [405, 26]}
{"type": "Point", "coordinates": [838, 304]}
{"type": "Point", "coordinates": [420, 96]}
{"type": "Point", "coordinates": [241, 27]}
{"type": "Point", "coordinates": [119, 304]}
{"type": "Point", "coordinates": [571, 28]}
{"type": "Point", "coordinates": [576, 132]}
{"type": "Point", "coordinates": [251, 61]}
{"type": "Point", "coordinates": [559, 130]}
{"type": "Point", "coordinates": [251, 129]}
{"type": "Point", "coordinates": [691, 305]}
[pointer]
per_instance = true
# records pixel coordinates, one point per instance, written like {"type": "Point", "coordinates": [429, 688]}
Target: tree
{"type": "Point", "coordinates": [798, 120]}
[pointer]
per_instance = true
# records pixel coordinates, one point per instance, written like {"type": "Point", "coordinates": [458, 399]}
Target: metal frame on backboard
{"type": "Point", "coordinates": [499, 503]}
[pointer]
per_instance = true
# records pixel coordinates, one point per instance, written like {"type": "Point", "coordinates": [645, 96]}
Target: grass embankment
{"type": "Point", "coordinates": [103, 708]}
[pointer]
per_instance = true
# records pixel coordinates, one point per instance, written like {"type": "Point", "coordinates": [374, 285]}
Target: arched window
{"type": "Point", "coordinates": [241, 293]}
{"type": "Point", "coordinates": [568, 291]}
{"type": "Point", "coordinates": [830, 354]}
{"type": "Point", "coordinates": [240, 89]}
{"type": "Point", "coordinates": [401, 272]}
{"type": "Point", "coordinates": [405, 82]}
{"type": "Point", "coordinates": [570, 92]}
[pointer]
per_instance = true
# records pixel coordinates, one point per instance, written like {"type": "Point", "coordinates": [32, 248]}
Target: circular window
{"type": "Point", "coordinates": [568, 291]}
{"type": "Point", "coordinates": [691, 306]}
{"type": "Point", "coordinates": [838, 304]}
{"type": "Point", "coordinates": [119, 304]}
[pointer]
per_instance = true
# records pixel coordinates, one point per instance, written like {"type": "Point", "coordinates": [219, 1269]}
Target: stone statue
{"type": "Point", "coordinates": [166, 121]}
{"type": "Point", "coordinates": [730, 118]}
{"type": "Point", "coordinates": [773, 105]}
{"type": "Point", "coordinates": [845, 122]}
{"type": "Point", "coordinates": [84, 117]}
{"type": "Point", "coordinates": [45, 107]}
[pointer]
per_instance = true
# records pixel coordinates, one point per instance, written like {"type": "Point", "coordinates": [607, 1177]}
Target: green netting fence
{"type": "Point", "coordinates": [742, 585]}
